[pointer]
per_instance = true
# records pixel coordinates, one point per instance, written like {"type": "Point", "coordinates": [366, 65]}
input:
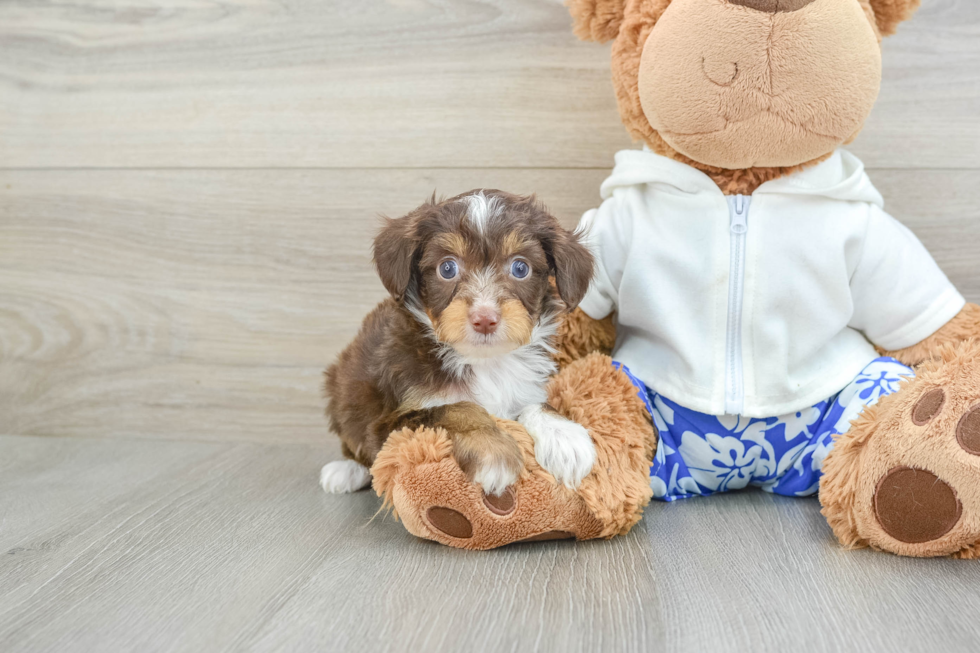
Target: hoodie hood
{"type": "Point", "coordinates": [840, 177]}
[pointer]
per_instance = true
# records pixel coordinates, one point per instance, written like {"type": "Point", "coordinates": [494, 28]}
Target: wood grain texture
{"type": "Point", "coordinates": [199, 304]}
{"type": "Point", "coordinates": [205, 304]}
{"type": "Point", "coordinates": [398, 83]}
{"type": "Point", "coordinates": [190, 546]}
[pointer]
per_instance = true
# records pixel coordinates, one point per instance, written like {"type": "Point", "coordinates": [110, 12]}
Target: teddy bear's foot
{"type": "Point", "coordinates": [418, 476]}
{"type": "Point", "coordinates": [906, 477]}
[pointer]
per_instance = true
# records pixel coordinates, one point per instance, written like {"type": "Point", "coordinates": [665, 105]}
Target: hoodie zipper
{"type": "Point", "coordinates": [738, 212]}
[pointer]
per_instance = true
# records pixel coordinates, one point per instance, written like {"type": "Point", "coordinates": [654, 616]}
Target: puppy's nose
{"type": "Point", "coordinates": [484, 320]}
{"type": "Point", "coordinates": [772, 6]}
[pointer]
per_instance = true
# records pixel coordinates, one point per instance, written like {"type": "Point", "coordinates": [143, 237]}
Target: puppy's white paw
{"type": "Point", "coordinates": [343, 476]}
{"type": "Point", "coordinates": [561, 446]}
{"type": "Point", "coordinates": [495, 477]}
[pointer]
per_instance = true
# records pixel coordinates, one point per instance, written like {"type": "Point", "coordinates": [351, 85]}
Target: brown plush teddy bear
{"type": "Point", "coordinates": [769, 324]}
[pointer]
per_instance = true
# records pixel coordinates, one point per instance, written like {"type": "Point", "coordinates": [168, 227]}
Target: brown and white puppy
{"type": "Point", "coordinates": [477, 285]}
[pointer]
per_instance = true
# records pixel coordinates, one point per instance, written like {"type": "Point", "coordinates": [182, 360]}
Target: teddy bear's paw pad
{"type": "Point", "coordinates": [915, 505]}
{"type": "Point", "coordinates": [968, 432]}
{"type": "Point", "coordinates": [503, 504]}
{"type": "Point", "coordinates": [449, 521]}
{"type": "Point", "coordinates": [548, 535]}
{"type": "Point", "coordinates": [928, 406]}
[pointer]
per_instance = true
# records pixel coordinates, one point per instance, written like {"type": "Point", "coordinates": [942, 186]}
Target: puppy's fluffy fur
{"type": "Point", "coordinates": [477, 283]}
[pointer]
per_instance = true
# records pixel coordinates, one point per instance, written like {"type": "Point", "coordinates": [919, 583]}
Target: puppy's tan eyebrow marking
{"type": "Point", "coordinates": [514, 243]}
{"type": "Point", "coordinates": [451, 242]}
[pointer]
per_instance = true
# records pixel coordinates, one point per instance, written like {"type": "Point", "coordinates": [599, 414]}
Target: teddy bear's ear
{"type": "Point", "coordinates": [598, 20]}
{"type": "Point", "coordinates": [889, 13]}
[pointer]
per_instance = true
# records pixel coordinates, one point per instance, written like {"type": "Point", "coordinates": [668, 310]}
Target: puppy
{"type": "Point", "coordinates": [477, 283]}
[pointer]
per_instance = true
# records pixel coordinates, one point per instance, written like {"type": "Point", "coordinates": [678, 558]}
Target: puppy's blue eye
{"type": "Point", "coordinates": [520, 269]}
{"type": "Point", "coordinates": [448, 269]}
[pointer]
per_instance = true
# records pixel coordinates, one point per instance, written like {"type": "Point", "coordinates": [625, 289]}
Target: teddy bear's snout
{"type": "Point", "coordinates": [772, 6]}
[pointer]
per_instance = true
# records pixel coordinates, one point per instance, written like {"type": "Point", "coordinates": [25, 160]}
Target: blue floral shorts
{"type": "Point", "coordinates": [701, 454]}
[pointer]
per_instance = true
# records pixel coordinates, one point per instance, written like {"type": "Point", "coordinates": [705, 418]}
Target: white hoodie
{"type": "Point", "coordinates": [756, 305]}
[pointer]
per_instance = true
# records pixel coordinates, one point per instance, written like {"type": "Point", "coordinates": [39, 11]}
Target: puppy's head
{"type": "Point", "coordinates": [483, 269]}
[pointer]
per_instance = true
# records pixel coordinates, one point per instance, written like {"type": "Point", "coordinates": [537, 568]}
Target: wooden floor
{"type": "Point", "coordinates": [187, 196]}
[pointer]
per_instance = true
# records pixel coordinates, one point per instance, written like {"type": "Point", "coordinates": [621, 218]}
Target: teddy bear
{"type": "Point", "coordinates": [756, 318]}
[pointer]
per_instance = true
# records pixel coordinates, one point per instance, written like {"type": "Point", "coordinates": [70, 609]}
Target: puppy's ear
{"type": "Point", "coordinates": [570, 260]}
{"type": "Point", "coordinates": [889, 13]}
{"type": "Point", "coordinates": [394, 254]}
{"type": "Point", "coordinates": [573, 266]}
{"type": "Point", "coordinates": [596, 20]}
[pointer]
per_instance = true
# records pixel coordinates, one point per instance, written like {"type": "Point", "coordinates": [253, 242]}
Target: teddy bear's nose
{"type": "Point", "coordinates": [772, 6]}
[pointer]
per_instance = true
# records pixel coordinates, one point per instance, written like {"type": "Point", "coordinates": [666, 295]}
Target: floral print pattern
{"type": "Point", "coordinates": [701, 454]}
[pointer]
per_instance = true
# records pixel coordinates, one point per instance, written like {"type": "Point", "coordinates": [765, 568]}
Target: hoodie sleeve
{"type": "Point", "coordinates": [604, 228]}
{"type": "Point", "coordinates": [900, 295]}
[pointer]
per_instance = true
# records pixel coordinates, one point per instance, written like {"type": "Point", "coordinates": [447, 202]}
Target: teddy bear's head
{"type": "Point", "coordinates": [743, 84]}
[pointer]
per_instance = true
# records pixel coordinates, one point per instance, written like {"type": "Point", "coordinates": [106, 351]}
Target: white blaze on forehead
{"type": "Point", "coordinates": [482, 209]}
{"type": "Point", "coordinates": [483, 290]}
{"type": "Point", "coordinates": [482, 280]}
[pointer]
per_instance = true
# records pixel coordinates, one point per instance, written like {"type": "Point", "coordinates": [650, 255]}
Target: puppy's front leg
{"type": "Point", "coordinates": [561, 446]}
{"type": "Point", "coordinates": [486, 454]}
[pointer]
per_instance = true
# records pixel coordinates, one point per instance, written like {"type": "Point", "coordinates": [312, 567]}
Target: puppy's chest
{"type": "Point", "coordinates": [503, 386]}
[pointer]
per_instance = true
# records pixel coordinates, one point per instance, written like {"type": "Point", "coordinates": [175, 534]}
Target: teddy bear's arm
{"type": "Point", "coordinates": [964, 326]}
{"type": "Point", "coordinates": [580, 335]}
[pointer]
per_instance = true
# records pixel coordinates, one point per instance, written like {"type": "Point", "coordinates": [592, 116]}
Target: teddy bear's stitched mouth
{"type": "Point", "coordinates": [729, 123]}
